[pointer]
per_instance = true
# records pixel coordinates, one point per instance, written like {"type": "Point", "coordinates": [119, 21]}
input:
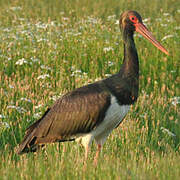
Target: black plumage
{"type": "Point", "coordinates": [77, 112]}
{"type": "Point", "coordinates": [82, 111]}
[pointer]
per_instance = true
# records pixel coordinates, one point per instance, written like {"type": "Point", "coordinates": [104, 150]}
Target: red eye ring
{"type": "Point", "coordinates": [133, 19]}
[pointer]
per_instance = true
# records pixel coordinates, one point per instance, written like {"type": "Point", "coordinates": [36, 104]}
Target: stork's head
{"type": "Point", "coordinates": [128, 20]}
{"type": "Point", "coordinates": [131, 21]}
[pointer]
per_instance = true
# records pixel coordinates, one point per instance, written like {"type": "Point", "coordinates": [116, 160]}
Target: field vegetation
{"type": "Point", "coordinates": [50, 47]}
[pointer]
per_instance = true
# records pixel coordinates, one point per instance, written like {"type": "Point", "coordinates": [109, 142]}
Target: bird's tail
{"type": "Point", "coordinates": [29, 142]}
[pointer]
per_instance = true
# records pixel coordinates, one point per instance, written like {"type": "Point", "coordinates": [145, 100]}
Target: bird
{"type": "Point", "coordinates": [91, 112]}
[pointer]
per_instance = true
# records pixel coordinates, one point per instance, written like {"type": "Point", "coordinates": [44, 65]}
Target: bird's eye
{"type": "Point", "coordinates": [133, 19]}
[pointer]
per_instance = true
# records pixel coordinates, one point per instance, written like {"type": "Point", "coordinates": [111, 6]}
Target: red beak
{"type": "Point", "coordinates": [141, 28]}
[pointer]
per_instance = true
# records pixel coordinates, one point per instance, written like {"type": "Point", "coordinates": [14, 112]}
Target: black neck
{"type": "Point", "coordinates": [124, 85]}
{"type": "Point", "coordinates": [130, 62]}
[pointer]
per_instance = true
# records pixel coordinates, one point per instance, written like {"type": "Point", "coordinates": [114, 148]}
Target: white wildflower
{"type": "Point", "coordinates": [25, 99]}
{"type": "Point", "coordinates": [164, 130]}
{"type": "Point", "coordinates": [146, 20]}
{"type": "Point", "coordinates": [45, 67]}
{"type": "Point", "coordinates": [164, 25]}
{"type": "Point", "coordinates": [73, 68]}
{"type": "Point", "coordinates": [106, 49]}
{"type": "Point", "coordinates": [108, 75]}
{"type": "Point", "coordinates": [77, 71]}
{"type": "Point", "coordinates": [92, 20]}
{"type": "Point", "coordinates": [11, 87]}
{"type": "Point", "coordinates": [158, 19]}
{"type": "Point", "coordinates": [23, 32]}
{"type": "Point", "coordinates": [177, 27]}
{"type": "Point", "coordinates": [21, 19]}
{"type": "Point", "coordinates": [166, 14]}
{"type": "Point", "coordinates": [37, 115]}
{"type": "Point", "coordinates": [77, 34]}
{"type": "Point", "coordinates": [170, 19]}
{"type": "Point", "coordinates": [84, 74]}
{"type": "Point", "coordinates": [34, 59]}
{"type": "Point", "coordinates": [97, 79]}
{"type": "Point", "coordinates": [44, 76]}
{"type": "Point", "coordinates": [4, 125]}
{"type": "Point", "coordinates": [38, 106]}
{"type": "Point", "coordinates": [19, 109]}
{"type": "Point", "coordinates": [42, 39]}
{"type": "Point", "coordinates": [175, 101]}
{"type": "Point", "coordinates": [2, 116]}
{"type": "Point", "coordinates": [117, 22]}
{"type": "Point", "coordinates": [41, 25]}
{"type": "Point", "coordinates": [11, 107]}
{"type": "Point", "coordinates": [75, 74]}
{"type": "Point", "coordinates": [55, 97]}
{"type": "Point", "coordinates": [110, 63]}
{"type": "Point", "coordinates": [16, 8]}
{"type": "Point", "coordinates": [21, 61]}
{"type": "Point", "coordinates": [112, 17]}
{"type": "Point", "coordinates": [168, 36]}
{"type": "Point", "coordinates": [155, 82]}
{"type": "Point", "coordinates": [65, 18]}
{"type": "Point", "coordinates": [53, 23]}
{"type": "Point", "coordinates": [6, 29]}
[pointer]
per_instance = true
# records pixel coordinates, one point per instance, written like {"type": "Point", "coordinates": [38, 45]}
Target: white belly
{"type": "Point", "coordinates": [114, 116]}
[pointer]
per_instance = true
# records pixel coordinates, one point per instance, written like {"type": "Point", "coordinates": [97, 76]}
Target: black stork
{"type": "Point", "coordinates": [91, 112]}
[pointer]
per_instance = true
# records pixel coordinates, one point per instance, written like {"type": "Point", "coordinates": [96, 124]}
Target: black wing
{"type": "Point", "coordinates": [77, 112]}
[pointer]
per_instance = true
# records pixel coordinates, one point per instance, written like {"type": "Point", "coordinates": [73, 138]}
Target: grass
{"type": "Point", "coordinates": [51, 47]}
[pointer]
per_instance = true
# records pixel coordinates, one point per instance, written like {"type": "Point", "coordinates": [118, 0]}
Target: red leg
{"type": "Point", "coordinates": [86, 152]}
{"type": "Point", "coordinates": [97, 154]}
{"type": "Point", "coordinates": [85, 158]}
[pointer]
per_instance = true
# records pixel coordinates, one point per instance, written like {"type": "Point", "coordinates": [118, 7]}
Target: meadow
{"type": "Point", "coordinates": [48, 48]}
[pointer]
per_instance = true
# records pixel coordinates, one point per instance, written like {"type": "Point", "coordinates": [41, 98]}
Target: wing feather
{"type": "Point", "coordinates": [77, 112]}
